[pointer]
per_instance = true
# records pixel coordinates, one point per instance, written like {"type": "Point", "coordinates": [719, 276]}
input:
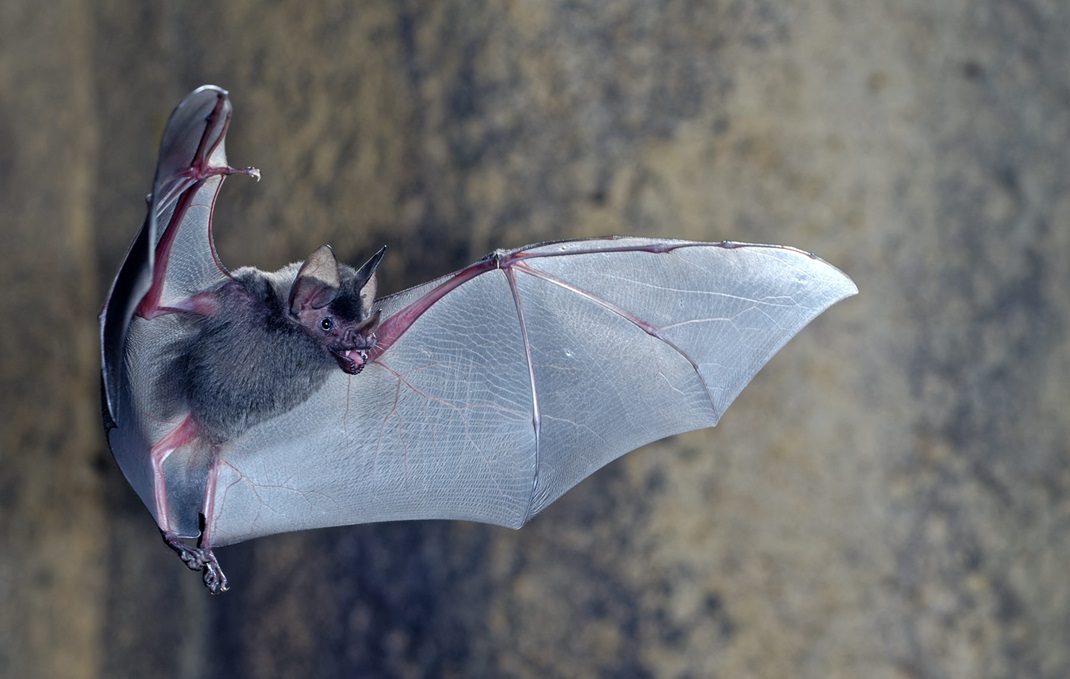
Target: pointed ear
{"type": "Point", "coordinates": [317, 282]}
{"type": "Point", "coordinates": [364, 281]}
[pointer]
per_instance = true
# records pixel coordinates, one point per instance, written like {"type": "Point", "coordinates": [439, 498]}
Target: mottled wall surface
{"type": "Point", "coordinates": [889, 498]}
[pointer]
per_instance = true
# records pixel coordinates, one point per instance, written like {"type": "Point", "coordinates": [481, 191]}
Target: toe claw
{"type": "Point", "coordinates": [199, 559]}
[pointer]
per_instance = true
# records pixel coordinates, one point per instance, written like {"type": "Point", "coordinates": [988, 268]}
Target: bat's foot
{"type": "Point", "coordinates": [199, 559]}
{"type": "Point", "coordinates": [214, 579]}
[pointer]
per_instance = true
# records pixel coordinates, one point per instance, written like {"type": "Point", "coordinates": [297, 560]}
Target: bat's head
{"type": "Point", "coordinates": [334, 303]}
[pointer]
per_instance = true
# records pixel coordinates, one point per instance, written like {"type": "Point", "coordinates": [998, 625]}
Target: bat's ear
{"type": "Point", "coordinates": [364, 283]}
{"type": "Point", "coordinates": [317, 282]}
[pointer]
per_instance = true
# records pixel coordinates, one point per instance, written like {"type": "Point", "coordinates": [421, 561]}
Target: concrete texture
{"type": "Point", "coordinates": [889, 498]}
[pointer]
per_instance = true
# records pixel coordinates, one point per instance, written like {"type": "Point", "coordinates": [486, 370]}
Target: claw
{"type": "Point", "coordinates": [199, 559]}
{"type": "Point", "coordinates": [214, 579]}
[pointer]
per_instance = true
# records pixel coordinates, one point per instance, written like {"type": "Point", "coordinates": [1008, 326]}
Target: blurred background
{"type": "Point", "coordinates": [889, 498]}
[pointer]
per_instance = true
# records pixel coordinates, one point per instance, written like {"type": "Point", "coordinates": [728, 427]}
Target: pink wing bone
{"type": "Point", "coordinates": [396, 324]}
{"type": "Point", "coordinates": [181, 189]}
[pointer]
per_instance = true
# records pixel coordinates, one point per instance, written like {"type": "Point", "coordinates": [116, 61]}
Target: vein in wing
{"type": "Point", "coordinates": [461, 409]}
{"type": "Point", "coordinates": [623, 313]}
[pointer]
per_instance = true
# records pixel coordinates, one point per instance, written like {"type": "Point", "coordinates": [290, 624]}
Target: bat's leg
{"type": "Point", "coordinates": [199, 558]}
{"type": "Point", "coordinates": [214, 579]}
{"type": "Point", "coordinates": [184, 433]}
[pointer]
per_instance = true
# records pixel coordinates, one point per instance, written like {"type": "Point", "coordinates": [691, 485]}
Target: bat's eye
{"type": "Point", "coordinates": [326, 324]}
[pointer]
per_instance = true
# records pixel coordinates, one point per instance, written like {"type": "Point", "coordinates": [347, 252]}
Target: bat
{"type": "Point", "coordinates": [244, 403]}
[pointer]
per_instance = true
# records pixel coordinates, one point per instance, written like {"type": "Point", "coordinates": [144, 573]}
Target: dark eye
{"type": "Point", "coordinates": [326, 324]}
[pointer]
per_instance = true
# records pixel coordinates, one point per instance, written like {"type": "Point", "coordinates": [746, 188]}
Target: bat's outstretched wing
{"type": "Point", "coordinates": [495, 389]}
{"type": "Point", "coordinates": [172, 259]}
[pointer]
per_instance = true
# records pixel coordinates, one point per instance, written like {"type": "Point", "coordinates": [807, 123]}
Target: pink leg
{"type": "Point", "coordinates": [184, 433]}
{"type": "Point", "coordinates": [214, 579]}
{"type": "Point", "coordinates": [199, 558]}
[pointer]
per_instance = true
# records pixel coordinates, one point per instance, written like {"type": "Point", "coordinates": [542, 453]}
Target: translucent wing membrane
{"type": "Point", "coordinates": [499, 387]}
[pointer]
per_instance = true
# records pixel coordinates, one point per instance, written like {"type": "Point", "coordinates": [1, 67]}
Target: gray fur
{"type": "Point", "coordinates": [248, 360]}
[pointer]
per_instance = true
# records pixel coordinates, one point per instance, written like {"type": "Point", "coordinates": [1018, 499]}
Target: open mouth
{"type": "Point", "coordinates": [351, 360]}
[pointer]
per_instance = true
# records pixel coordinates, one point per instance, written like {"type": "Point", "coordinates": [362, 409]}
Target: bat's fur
{"type": "Point", "coordinates": [248, 359]}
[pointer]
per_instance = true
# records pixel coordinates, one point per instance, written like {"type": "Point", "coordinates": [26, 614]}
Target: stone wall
{"type": "Point", "coordinates": [889, 498]}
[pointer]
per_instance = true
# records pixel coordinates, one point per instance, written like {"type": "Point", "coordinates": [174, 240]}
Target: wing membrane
{"type": "Point", "coordinates": [470, 413]}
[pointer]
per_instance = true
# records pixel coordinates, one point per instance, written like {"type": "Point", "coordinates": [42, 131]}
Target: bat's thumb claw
{"type": "Point", "coordinates": [251, 171]}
